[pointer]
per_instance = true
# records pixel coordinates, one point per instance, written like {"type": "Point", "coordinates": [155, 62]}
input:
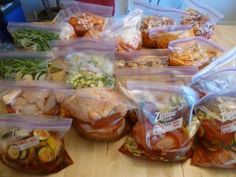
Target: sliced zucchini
{"type": "Point", "coordinates": [174, 100]}
{"type": "Point", "coordinates": [23, 154]}
{"type": "Point", "coordinates": [42, 134]}
{"type": "Point", "coordinates": [42, 77]}
{"type": "Point", "coordinates": [18, 76]}
{"type": "Point", "coordinates": [46, 154]}
{"type": "Point", "coordinates": [28, 77]}
{"type": "Point", "coordinates": [54, 144]}
{"type": "Point", "coordinates": [13, 152]}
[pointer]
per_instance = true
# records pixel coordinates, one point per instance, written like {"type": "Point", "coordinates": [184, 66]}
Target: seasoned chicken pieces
{"type": "Point", "coordinates": [30, 101]}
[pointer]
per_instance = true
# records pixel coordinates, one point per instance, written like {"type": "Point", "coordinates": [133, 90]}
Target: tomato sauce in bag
{"type": "Point", "coordinates": [216, 137]}
{"type": "Point", "coordinates": [164, 131]}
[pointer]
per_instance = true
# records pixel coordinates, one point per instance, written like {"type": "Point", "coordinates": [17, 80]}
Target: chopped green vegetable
{"type": "Point", "coordinates": [89, 79]}
{"type": "Point", "coordinates": [32, 39]}
{"type": "Point", "coordinates": [22, 68]}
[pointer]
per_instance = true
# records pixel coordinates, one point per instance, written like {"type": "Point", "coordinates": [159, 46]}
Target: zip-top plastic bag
{"type": "Point", "coordinates": [33, 36]}
{"type": "Point", "coordinates": [215, 82]}
{"type": "Point", "coordinates": [216, 137]}
{"type": "Point", "coordinates": [202, 17]}
{"type": "Point", "coordinates": [144, 58]}
{"type": "Point", "coordinates": [99, 113]}
{"type": "Point", "coordinates": [34, 144]}
{"type": "Point", "coordinates": [165, 131]}
{"type": "Point", "coordinates": [18, 65]}
{"type": "Point", "coordinates": [196, 51]}
{"type": "Point", "coordinates": [126, 31]}
{"type": "Point", "coordinates": [167, 75]}
{"type": "Point", "coordinates": [225, 61]}
{"type": "Point", "coordinates": [86, 19]}
{"type": "Point", "coordinates": [31, 98]}
{"type": "Point", "coordinates": [160, 25]}
{"type": "Point", "coordinates": [85, 63]}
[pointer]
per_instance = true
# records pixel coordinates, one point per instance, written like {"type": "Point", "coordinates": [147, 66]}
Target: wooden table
{"type": "Point", "coordinates": [93, 159]}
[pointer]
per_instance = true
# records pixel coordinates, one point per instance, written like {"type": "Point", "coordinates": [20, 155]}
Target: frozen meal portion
{"type": "Point", "coordinates": [98, 113]}
{"type": "Point", "coordinates": [164, 131]}
{"type": "Point", "coordinates": [202, 17]}
{"type": "Point", "coordinates": [195, 51]}
{"type": "Point", "coordinates": [216, 138]}
{"type": "Point", "coordinates": [33, 36]}
{"type": "Point", "coordinates": [24, 66]}
{"type": "Point", "coordinates": [34, 144]}
{"type": "Point", "coordinates": [27, 98]}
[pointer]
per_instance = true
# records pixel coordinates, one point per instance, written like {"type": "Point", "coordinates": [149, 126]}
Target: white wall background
{"type": "Point", "coordinates": [227, 7]}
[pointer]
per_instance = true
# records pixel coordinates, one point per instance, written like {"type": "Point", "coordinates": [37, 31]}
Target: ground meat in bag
{"type": "Point", "coordinates": [196, 51]}
{"type": "Point", "coordinates": [216, 138]}
{"type": "Point", "coordinates": [164, 131]}
{"type": "Point", "coordinates": [99, 113]}
{"type": "Point", "coordinates": [34, 144]}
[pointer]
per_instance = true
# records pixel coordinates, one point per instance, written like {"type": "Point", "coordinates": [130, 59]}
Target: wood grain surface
{"type": "Point", "coordinates": [93, 159]}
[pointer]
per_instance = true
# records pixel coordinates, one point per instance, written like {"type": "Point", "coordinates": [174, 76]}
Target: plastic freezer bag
{"type": "Point", "coordinates": [202, 17]}
{"type": "Point", "coordinates": [225, 61]}
{"type": "Point", "coordinates": [157, 20]}
{"type": "Point", "coordinates": [34, 144]}
{"type": "Point", "coordinates": [126, 31]}
{"type": "Point", "coordinates": [215, 82]}
{"type": "Point", "coordinates": [25, 65]}
{"type": "Point", "coordinates": [196, 51]}
{"type": "Point", "coordinates": [33, 36]}
{"type": "Point", "coordinates": [31, 98]}
{"type": "Point", "coordinates": [99, 113]}
{"type": "Point", "coordinates": [164, 131]}
{"type": "Point", "coordinates": [216, 141]}
{"type": "Point", "coordinates": [144, 58]}
{"type": "Point", "coordinates": [85, 63]}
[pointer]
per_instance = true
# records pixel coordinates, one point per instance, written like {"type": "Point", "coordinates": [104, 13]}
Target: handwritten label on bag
{"type": "Point", "coordinates": [228, 128]}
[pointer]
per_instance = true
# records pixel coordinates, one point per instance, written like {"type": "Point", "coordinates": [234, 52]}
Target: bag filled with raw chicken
{"type": "Point", "coordinates": [168, 75]}
{"type": "Point", "coordinates": [202, 17]}
{"type": "Point", "coordinates": [99, 113]}
{"type": "Point", "coordinates": [216, 137]}
{"type": "Point", "coordinates": [31, 98]}
{"type": "Point", "coordinates": [165, 131]}
{"type": "Point", "coordinates": [34, 144]}
{"type": "Point", "coordinates": [160, 25]}
{"type": "Point", "coordinates": [125, 31]}
{"type": "Point", "coordinates": [215, 82]}
{"type": "Point", "coordinates": [84, 63]}
{"type": "Point", "coordinates": [196, 51]}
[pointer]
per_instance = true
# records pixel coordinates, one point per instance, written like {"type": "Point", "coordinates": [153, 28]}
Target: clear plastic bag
{"type": "Point", "coordinates": [202, 17]}
{"type": "Point", "coordinates": [31, 98]}
{"type": "Point", "coordinates": [33, 36]}
{"type": "Point", "coordinates": [85, 63]}
{"type": "Point", "coordinates": [158, 21]}
{"type": "Point", "coordinates": [24, 66]}
{"type": "Point", "coordinates": [196, 51]}
{"type": "Point", "coordinates": [215, 82]}
{"type": "Point", "coordinates": [99, 113]}
{"type": "Point", "coordinates": [216, 141]}
{"type": "Point", "coordinates": [144, 58]}
{"type": "Point", "coordinates": [165, 131]}
{"type": "Point", "coordinates": [225, 61]}
{"type": "Point", "coordinates": [126, 31]}
{"type": "Point", "coordinates": [34, 144]}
